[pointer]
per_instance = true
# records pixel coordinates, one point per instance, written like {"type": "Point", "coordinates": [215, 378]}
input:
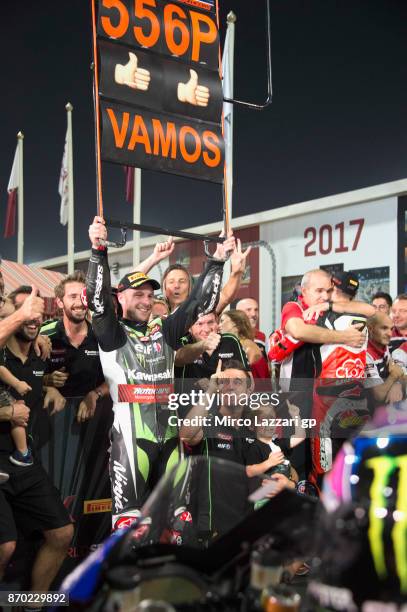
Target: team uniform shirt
{"type": "Point", "coordinates": [82, 362]}
{"type": "Point", "coordinates": [229, 347]}
{"type": "Point", "coordinates": [32, 372]}
{"type": "Point", "coordinates": [299, 364]}
{"type": "Point", "coordinates": [224, 497]}
{"type": "Point", "coordinates": [399, 356]}
{"type": "Point", "coordinates": [398, 337]}
{"type": "Point", "coordinates": [377, 364]}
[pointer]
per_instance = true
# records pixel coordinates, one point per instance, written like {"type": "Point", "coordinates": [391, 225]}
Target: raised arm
{"type": "Point", "coordinates": [162, 250]}
{"type": "Point", "coordinates": [237, 268]}
{"type": "Point", "coordinates": [105, 324]}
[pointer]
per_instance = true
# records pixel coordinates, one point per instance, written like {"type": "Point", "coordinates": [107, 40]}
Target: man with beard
{"type": "Point", "coordinates": [28, 500]}
{"type": "Point", "coordinates": [75, 365]}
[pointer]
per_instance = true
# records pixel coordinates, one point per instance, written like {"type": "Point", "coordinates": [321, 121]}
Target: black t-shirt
{"type": "Point", "coordinates": [259, 451]}
{"type": "Point", "coordinates": [32, 372]}
{"type": "Point", "coordinates": [223, 491]}
{"type": "Point", "coordinates": [82, 362]}
{"type": "Point", "coordinates": [203, 367]}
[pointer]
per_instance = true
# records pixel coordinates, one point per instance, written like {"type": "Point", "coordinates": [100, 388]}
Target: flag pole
{"type": "Point", "coordinates": [20, 193]}
{"type": "Point", "coordinates": [136, 215]}
{"type": "Point", "coordinates": [228, 78]}
{"type": "Point", "coordinates": [71, 228]}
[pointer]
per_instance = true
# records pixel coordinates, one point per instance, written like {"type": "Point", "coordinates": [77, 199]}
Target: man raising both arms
{"type": "Point", "coordinates": [137, 357]}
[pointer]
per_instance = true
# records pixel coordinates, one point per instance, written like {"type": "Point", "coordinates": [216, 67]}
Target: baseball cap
{"type": "Point", "coordinates": [346, 282]}
{"type": "Point", "coordinates": [134, 280]}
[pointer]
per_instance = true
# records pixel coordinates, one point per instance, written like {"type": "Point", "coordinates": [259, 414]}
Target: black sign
{"type": "Point", "coordinates": [160, 86]}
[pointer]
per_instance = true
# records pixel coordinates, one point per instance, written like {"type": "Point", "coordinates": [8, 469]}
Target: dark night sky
{"type": "Point", "coordinates": [337, 122]}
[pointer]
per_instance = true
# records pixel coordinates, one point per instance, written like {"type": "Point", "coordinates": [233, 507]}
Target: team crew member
{"type": "Point", "coordinates": [384, 377]}
{"type": "Point", "coordinates": [382, 302]}
{"type": "Point", "coordinates": [251, 308]}
{"type": "Point", "coordinates": [177, 281]}
{"type": "Point", "coordinates": [137, 357]}
{"type": "Point", "coordinates": [399, 316]}
{"type": "Point", "coordinates": [339, 405]}
{"type": "Point", "coordinates": [201, 350]}
{"type": "Point", "coordinates": [75, 367]}
{"type": "Point", "coordinates": [28, 500]}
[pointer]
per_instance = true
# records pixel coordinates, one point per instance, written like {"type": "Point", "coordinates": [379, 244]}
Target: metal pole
{"type": "Point", "coordinates": [71, 228]}
{"type": "Point", "coordinates": [20, 233]}
{"type": "Point", "coordinates": [136, 215]}
{"type": "Point", "coordinates": [228, 89]}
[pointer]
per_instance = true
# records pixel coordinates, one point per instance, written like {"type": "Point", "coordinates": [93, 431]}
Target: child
{"type": "Point", "coordinates": [22, 454]}
{"type": "Point", "coordinates": [267, 454]}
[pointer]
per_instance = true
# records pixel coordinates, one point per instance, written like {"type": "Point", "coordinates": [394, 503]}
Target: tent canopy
{"type": "Point", "coordinates": [15, 274]}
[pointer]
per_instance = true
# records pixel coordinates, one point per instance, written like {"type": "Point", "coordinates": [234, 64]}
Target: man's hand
{"type": "Point", "coordinates": [238, 258]}
{"type": "Point", "coordinates": [395, 394]}
{"type": "Point", "coordinates": [275, 458]}
{"type": "Point", "coordinates": [97, 232]}
{"type": "Point", "coordinates": [22, 387]}
{"type": "Point", "coordinates": [131, 75]}
{"type": "Point", "coordinates": [53, 396]}
{"type": "Point", "coordinates": [21, 412]}
{"type": "Point", "coordinates": [395, 371]}
{"type": "Point", "coordinates": [214, 380]}
{"type": "Point", "coordinates": [33, 307]}
{"type": "Point", "coordinates": [225, 248]}
{"type": "Point", "coordinates": [312, 313]}
{"type": "Point", "coordinates": [211, 343]}
{"type": "Point", "coordinates": [87, 407]}
{"type": "Point", "coordinates": [43, 347]}
{"type": "Point", "coordinates": [191, 92]}
{"type": "Point", "coordinates": [57, 378]}
{"type": "Point", "coordinates": [281, 483]}
{"type": "Point", "coordinates": [353, 336]}
{"type": "Point", "coordinates": [162, 250]}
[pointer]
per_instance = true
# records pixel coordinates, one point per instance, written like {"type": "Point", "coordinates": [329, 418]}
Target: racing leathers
{"type": "Point", "coordinates": [137, 360]}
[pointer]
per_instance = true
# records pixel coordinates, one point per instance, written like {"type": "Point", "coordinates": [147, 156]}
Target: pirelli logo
{"type": "Point", "coordinates": [94, 506]}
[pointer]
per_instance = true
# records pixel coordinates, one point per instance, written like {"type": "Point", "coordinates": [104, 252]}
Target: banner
{"type": "Point", "coordinates": [160, 87]}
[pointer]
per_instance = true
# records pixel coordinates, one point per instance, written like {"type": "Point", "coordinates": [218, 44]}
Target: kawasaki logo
{"type": "Point", "coordinates": [383, 468]}
{"type": "Point", "coordinates": [149, 377]}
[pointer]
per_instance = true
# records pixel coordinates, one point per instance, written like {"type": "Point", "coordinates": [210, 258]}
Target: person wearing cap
{"type": "Point", "coordinates": [137, 356]}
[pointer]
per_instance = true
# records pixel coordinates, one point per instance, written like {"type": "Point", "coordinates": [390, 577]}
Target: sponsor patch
{"type": "Point", "coordinates": [94, 506]}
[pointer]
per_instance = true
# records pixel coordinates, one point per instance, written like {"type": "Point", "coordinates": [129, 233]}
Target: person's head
{"type": "Point", "coordinates": [204, 326]}
{"type": "Point", "coordinates": [345, 286]}
{"type": "Point", "coordinates": [236, 322]}
{"type": "Point", "coordinates": [316, 287]}
{"type": "Point", "coordinates": [135, 294]}
{"type": "Point", "coordinates": [177, 285]}
{"type": "Point", "coordinates": [6, 307]}
{"type": "Point", "coordinates": [382, 302]}
{"type": "Point", "coordinates": [68, 294]}
{"type": "Point", "coordinates": [29, 330]}
{"type": "Point", "coordinates": [19, 295]}
{"type": "Point", "coordinates": [235, 386]}
{"type": "Point", "coordinates": [380, 327]}
{"type": "Point", "coordinates": [399, 311]}
{"type": "Point", "coordinates": [160, 309]}
{"type": "Point", "coordinates": [251, 309]}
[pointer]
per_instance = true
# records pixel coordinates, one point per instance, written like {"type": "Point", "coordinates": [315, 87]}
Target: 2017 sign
{"type": "Point", "coordinates": [327, 234]}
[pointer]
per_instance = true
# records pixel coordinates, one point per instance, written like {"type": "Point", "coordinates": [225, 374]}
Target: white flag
{"type": "Point", "coordinates": [63, 185]}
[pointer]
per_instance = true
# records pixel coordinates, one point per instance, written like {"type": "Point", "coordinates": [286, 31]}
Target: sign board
{"type": "Point", "coordinates": [159, 85]}
{"type": "Point", "coordinates": [360, 237]}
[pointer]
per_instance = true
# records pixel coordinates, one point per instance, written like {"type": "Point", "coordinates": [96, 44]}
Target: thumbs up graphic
{"type": "Point", "coordinates": [192, 93]}
{"type": "Point", "coordinates": [131, 75]}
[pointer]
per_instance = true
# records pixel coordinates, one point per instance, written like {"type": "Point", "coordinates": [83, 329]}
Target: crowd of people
{"type": "Point", "coordinates": [329, 364]}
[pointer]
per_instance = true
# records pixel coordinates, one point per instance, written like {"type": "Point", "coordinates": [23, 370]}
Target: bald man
{"type": "Point", "coordinates": [251, 308]}
{"type": "Point", "coordinates": [385, 377]}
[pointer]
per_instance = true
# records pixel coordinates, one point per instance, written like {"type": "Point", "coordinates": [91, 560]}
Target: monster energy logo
{"type": "Point", "coordinates": [383, 468]}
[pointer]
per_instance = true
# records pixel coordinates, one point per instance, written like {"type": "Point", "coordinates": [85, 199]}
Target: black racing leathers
{"type": "Point", "coordinates": [137, 360]}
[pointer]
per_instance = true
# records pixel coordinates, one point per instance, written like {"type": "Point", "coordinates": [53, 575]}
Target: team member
{"type": "Point", "coordinates": [382, 302]}
{"type": "Point", "coordinates": [137, 358]}
{"type": "Point", "coordinates": [75, 367]}
{"type": "Point", "coordinates": [399, 316]}
{"type": "Point", "coordinates": [201, 350]}
{"type": "Point", "coordinates": [251, 308]}
{"type": "Point", "coordinates": [29, 500]}
{"type": "Point", "coordinates": [384, 377]}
